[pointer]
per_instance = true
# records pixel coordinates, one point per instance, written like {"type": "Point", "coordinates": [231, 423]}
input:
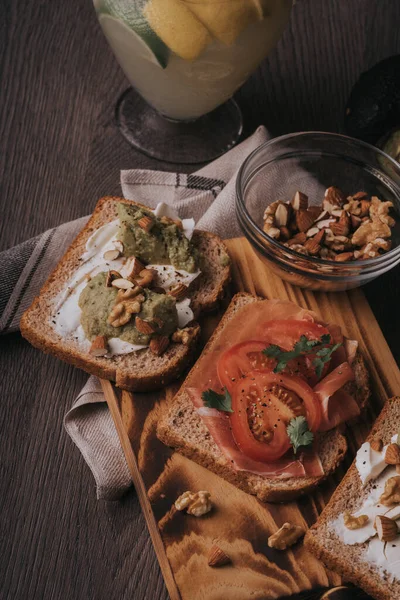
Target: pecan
{"type": "Point", "coordinates": [146, 223]}
{"type": "Point", "coordinates": [159, 344]}
{"type": "Point", "coordinates": [352, 522]}
{"type": "Point", "coordinates": [286, 536]}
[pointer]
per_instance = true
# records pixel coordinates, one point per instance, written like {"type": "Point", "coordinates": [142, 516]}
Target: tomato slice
{"type": "Point", "coordinates": [286, 332]}
{"type": "Point", "coordinates": [240, 359]}
{"type": "Point", "coordinates": [261, 414]}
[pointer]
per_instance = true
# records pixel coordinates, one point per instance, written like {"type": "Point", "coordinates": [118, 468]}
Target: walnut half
{"type": "Point", "coordinates": [391, 495]}
{"type": "Point", "coordinates": [352, 522]}
{"type": "Point", "coordinates": [286, 536]}
{"type": "Point", "coordinates": [195, 503]}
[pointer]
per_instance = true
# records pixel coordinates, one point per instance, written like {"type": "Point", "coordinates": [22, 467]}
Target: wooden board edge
{"type": "Point", "coordinates": [113, 405]}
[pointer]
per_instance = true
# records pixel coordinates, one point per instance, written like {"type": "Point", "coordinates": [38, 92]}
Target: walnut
{"type": "Point", "coordinates": [391, 495]}
{"type": "Point", "coordinates": [196, 504]}
{"type": "Point", "coordinates": [371, 250]}
{"type": "Point", "coordinates": [353, 207]}
{"type": "Point", "coordinates": [286, 536]}
{"type": "Point", "coordinates": [271, 210]}
{"type": "Point", "coordinates": [185, 336]}
{"type": "Point", "coordinates": [119, 315]}
{"type": "Point", "coordinates": [298, 248]}
{"type": "Point", "coordinates": [381, 210]}
{"type": "Point", "coordinates": [369, 231]}
{"type": "Point", "coordinates": [352, 522]}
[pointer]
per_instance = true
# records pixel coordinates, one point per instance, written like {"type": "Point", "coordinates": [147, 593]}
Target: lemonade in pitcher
{"type": "Point", "coordinates": [187, 57]}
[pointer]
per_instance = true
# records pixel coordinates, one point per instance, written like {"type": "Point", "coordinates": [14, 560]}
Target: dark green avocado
{"type": "Point", "coordinates": [374, 104]}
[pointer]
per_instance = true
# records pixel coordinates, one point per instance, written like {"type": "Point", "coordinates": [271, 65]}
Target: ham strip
{"type": "Point", "coordinates": [337, 405]}
{"type": "Point", "coordinates": [218, 424]}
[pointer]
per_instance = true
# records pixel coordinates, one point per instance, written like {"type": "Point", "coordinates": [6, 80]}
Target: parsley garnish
{"type": "Point", "coordinates": [219, 401]}
{"type": "Point", "coordinates": [298, 433]}
{"type": "Point", "coordinates": [302, 347]}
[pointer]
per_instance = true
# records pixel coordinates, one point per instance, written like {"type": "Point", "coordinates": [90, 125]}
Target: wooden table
{"type": "Point", "coordinates": [60, 151]}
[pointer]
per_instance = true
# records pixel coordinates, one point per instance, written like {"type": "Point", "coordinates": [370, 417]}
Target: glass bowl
{"type": "Point", "coordinates": [311, 162]}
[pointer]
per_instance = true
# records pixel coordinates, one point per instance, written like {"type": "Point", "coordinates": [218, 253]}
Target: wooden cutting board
{"type": "Point", "coordinates": [239, 523]}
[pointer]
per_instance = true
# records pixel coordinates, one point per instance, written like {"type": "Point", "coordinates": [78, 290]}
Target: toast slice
{"type": "Point", "coordinates": [141, 370]}
{"type": "Point", "coordinates": [183, 429]}
{"type": "Point", "coordinates": [321, 540]}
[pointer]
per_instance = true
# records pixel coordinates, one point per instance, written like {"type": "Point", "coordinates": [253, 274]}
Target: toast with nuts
{"type": "Point", "coordinates": [352, 561]}
{"type": "Point", "coordinates": [184, 430]}
{"type": "Point", "coordinates": [151, 367]}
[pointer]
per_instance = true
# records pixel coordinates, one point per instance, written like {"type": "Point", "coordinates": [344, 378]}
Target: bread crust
{"type": "Point", "coordinates": [325, 545]}
{"type": "Point", "coordinates": [332, 443]}
{"type": "Point", "coordinates": [125, 370]}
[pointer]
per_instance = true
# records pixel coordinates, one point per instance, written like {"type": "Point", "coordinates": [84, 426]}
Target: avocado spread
{"type": "Point", "coordinates": [97, 300]}
{"type": "Point", "coordinates": [164, 244]}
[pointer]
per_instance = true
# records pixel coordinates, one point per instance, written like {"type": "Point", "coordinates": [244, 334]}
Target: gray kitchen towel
{"type": "Point", "coordinates": [208, 195]}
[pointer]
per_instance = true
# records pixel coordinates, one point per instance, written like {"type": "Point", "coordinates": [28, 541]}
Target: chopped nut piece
{"type": "Point", "coordinates": [341, 227]}
{"type": "Point", "coordinates": [316, 212]}
{"type": "Point", "coordinates": [217, 557]}
{"type": "Point", "coordinates": [364, 206]}
{"type": "Point", "coordinates": [145, 278]}
{"type": "Point", "coordinates": [146, 223]}
{"type": "Point", "coordinates": [299, 238]}
{"type": "Point", "coordinates": [299, 201]}
{"type": "Point", "coordinates": [111, 275]}
{"type": "Point", "coordinates": [122, 284]}
{"type": "Point", "coordinates": [111, 254]}
{"type": "Point", "coordinates": [285, 233]}
{"type": "Point", "coordinates": [369, 231]}
{"type": "Point", "coordinates": [325, 223]}
{"type": "Point", "coordinates": [392, 455]}
{"type": "Point", "coordinates": [391, 495]}
{"type": "Point", "coordinates": [146, 327]}
{"type": "Point", "coordinates": [179, 291]}
{"type": "Point", "coordinates": [159, 344]}
{"type": "Point", "coordinates": [377, 444]}
{"type": "Point", "coordinates": [313, 245]}
{"type": "Point", "coordinates": [386, 528]}
{"type": "Point", "coordinates": [196, 504]}
{"type": "Point", "coordinates": [272, 232]}
{"type": "Point", "coordinates": [313, 231]}
{"type": "Point", "coordinates": [271, 209]}
{"type": "Point", "coordinates": [355, 221]}
{"type": "Point", "coordinates": [119, 246]}
{"type": "Point", "coordinates": [344, 257]}
{"type": "Point", "coordinates": [119, 315]}
{"type": "Point", "coordinates": [360, 195]}
{"type": "Point", "coordinates": [352, 522]}
{"type": "Point", "coordinates": [334, 197]}
{"type": "Point", "coordinates": [304, 220]}
{"type": "Point", "coordinates": [134, 267]}
{"type": "Point", "coordinates": [99, 346]}
{"type": "Point", "coordinates": [129, 293]}
{"type": "Point", "coordinates": [186, 335]}
{"type": "Point", "coordinates": [282, 214]}
{"type": "Point", "coordinates": [286, 536]}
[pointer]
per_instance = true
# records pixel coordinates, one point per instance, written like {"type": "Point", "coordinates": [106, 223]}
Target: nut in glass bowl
{"type": "Point", "coordinates": [292, 188]}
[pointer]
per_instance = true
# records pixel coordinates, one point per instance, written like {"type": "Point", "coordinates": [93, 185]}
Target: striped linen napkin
{"type": "Point", "coordinates": [209, 197]}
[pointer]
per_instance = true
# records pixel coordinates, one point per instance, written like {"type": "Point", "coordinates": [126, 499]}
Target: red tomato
{"type": "Point", "coordinates": [261, 414]}
{"type": "Point", "coordinates": [240, 359]}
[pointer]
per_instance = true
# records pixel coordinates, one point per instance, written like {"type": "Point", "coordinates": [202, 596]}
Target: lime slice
{"type": "Point", "coordinates": [119, 18]}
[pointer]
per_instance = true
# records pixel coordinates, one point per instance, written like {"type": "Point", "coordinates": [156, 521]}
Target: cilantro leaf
{"type": "Point", "coordinates": [299, 433]}
{"type": "Point", "coordinates": [222, 402]}
{"type": "Point", "coordinates": [323, 356]}
{"type": "Point", "coordinates": [302, 347]}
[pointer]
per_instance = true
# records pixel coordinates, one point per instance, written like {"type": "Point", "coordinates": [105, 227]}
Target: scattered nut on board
{"type": "Point", "coordinates": [195, 503]}
{"type": "Point", "coordinates": [286, 536]}
{"type": "Point", "coordinates": [386, 528]}
{"type": "Point", "coordinates": [217, 557]}
{"type": "Point", "coordinates": [352, 522]}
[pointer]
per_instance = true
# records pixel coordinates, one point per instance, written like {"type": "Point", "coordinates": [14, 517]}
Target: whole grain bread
{"type": "Point", "coordinates": [322, 541]}
{"type": "Point", "coordinates": [141, 370]}
{"type": "Point", "coordinates": [183, 429]}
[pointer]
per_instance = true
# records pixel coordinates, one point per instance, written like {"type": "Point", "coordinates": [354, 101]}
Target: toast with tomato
{"type": "Point", "coordinates": [264, 403]}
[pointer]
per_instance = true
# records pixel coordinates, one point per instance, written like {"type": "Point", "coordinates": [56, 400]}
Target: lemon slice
{"type": "Point", "coordinates": [225, 20]}
{"type": "Point", "coordinates": [126, 27]}
{"type": "Point", "coordinates": [178, 27]}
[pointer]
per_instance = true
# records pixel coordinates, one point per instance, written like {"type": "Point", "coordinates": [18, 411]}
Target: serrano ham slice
{"type": "Point", "coordinates": [337, 405]}
{"type": "Point", "coordinates": [218, 424]}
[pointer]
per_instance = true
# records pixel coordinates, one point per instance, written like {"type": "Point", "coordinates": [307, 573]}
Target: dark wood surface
{"type": "Point", "coordinates": [59, 152]}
